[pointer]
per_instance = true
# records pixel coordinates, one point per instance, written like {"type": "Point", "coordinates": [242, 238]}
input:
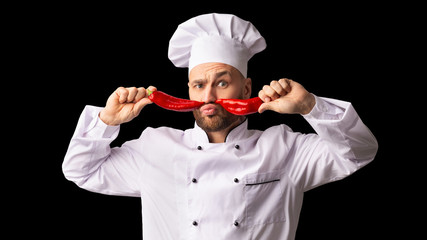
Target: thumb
{"type": "Point", "coordinates": [140, 105]}
{"type": "Point", "coordinates": [266, 106]}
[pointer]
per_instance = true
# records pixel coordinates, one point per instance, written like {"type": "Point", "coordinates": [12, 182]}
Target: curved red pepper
{"type": "Point", "coordinates": [169, 102]}
{"type": "Point", "coordinates": [241, 106]}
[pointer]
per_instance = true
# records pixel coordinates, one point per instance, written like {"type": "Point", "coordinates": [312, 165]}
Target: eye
{"type": "Point", "coordinates": [222, 84]}
{"type": "Point", "coordinates": [198, 86]}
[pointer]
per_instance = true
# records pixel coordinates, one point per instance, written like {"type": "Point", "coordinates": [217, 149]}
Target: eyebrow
{"type": "Point", "coordinates": [220, 74]}
{"type": "Point", "coordinates": [217, 75]}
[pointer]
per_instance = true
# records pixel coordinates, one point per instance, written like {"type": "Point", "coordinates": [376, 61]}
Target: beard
{"type": "Point", "coordinates": [213, 123]}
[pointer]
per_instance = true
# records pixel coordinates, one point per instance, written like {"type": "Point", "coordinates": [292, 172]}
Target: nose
{"type": "Point", "coordinates": [209, 95]}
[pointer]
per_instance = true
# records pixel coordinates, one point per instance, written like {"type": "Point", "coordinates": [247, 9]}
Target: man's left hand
{"type": "Point", "coordinates": [286, 96]}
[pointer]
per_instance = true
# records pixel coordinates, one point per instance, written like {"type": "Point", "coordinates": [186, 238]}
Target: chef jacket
{"type": "Point", "coordinates": [249, 187]}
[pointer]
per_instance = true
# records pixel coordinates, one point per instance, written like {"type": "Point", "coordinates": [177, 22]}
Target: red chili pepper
{"type": "Point", "coordinates": [241, 106]}
{"type": "Point", "coordinates": [169, 102]}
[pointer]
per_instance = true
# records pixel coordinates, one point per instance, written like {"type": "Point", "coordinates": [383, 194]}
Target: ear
{"type": "Point", "coordinates": [248, 88]}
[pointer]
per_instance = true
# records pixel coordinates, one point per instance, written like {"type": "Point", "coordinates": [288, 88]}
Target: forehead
{"type": "Point", "coordinates": [210, 70]}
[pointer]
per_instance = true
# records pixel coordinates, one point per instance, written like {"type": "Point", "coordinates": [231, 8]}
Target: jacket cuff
{"type": "Point", "coordinates": [96, 127]}
{"type": "Point", "coordinates": [327, 109]}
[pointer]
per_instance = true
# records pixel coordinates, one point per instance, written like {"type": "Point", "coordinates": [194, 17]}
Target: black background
{"type": "Point", "coordinates": [77, 55]}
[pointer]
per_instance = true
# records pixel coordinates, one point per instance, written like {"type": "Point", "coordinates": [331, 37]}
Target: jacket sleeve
{"type": "Point", "coordinates": [343, 144]}
{"type": "Point", "coordinates": [93, 165]}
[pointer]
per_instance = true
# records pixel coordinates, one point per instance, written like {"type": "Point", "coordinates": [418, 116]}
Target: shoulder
{"type": "Point", "coordinates": [281, 130]}
{"type": "Point", "coordinates": [162, 133]}
{"type": "Point", "coordinates": [281, 135]}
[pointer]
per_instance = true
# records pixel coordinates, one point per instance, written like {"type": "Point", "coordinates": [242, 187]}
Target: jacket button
{"type": "Point", "coordinates": [236, 223]}
{"type": "Point", "coordinates": [236, 180]}
{"type": "Point", "coordinates": [194, 180]}
{"type": "Point", "coordinates": [199, 147]}
{"type": "Point", "coordinates": [237, 146]}
{"type": "Point", "coordinates": [195, 223]}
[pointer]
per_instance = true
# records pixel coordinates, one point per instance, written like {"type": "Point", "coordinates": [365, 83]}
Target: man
{"type": "Point", "coordinates": [219, 180]}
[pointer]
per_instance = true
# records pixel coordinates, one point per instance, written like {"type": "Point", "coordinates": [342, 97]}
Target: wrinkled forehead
{"type": "Point", "coordinates": [213, 70]}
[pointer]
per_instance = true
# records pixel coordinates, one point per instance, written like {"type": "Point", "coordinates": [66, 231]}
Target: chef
{"type": "Point", "coordinates": [219, 180]}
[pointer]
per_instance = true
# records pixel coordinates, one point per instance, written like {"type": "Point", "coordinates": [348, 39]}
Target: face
{"type": "Point", "coordinates": [211, 81]}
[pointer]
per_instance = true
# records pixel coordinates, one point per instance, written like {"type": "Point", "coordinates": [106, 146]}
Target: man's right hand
{"type": "Point", "coordinates": [125, 104]}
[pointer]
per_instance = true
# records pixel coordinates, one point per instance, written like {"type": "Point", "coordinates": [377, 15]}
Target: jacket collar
{"type": "Point", "coordinates": [237, 133]}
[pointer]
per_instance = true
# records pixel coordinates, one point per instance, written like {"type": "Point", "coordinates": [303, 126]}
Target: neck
{"type": "Point", "coordinates": [220, 136]}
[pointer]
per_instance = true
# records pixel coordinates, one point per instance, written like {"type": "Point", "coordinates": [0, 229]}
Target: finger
{"type": "Point", "coordinates": [286, 84]}
{"type": "Point", "coordinates": [276, 86]}
{"type": "Point", "coordinates": [122, 94]}
{"type": "Point", "coordinates": [141, 92]}
{"type": "Point", "coordinates": [263, 96]}
{"type": "Point", "coordinates": [270, 92]}
{"type": "Point", "coordinates": [132, 93]}
{"type": "Point", "coordinates": [144, 100]}
{"type": "Point", "coordinates": [151, 88]}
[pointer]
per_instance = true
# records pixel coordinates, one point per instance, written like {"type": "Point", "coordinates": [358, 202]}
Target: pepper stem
{"type": "Point", "coordinates": [149, 92]}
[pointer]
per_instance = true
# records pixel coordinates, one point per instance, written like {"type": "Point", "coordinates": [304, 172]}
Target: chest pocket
{"type": "Point", "coordinates": [263, 199]}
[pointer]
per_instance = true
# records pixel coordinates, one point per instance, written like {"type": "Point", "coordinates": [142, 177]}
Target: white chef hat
{"type": "Point", "coordinates": [223, 38]}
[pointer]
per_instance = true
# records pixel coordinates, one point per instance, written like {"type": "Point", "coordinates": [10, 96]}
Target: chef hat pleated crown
{"type": "Point", "coordinates": [222, 38]}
